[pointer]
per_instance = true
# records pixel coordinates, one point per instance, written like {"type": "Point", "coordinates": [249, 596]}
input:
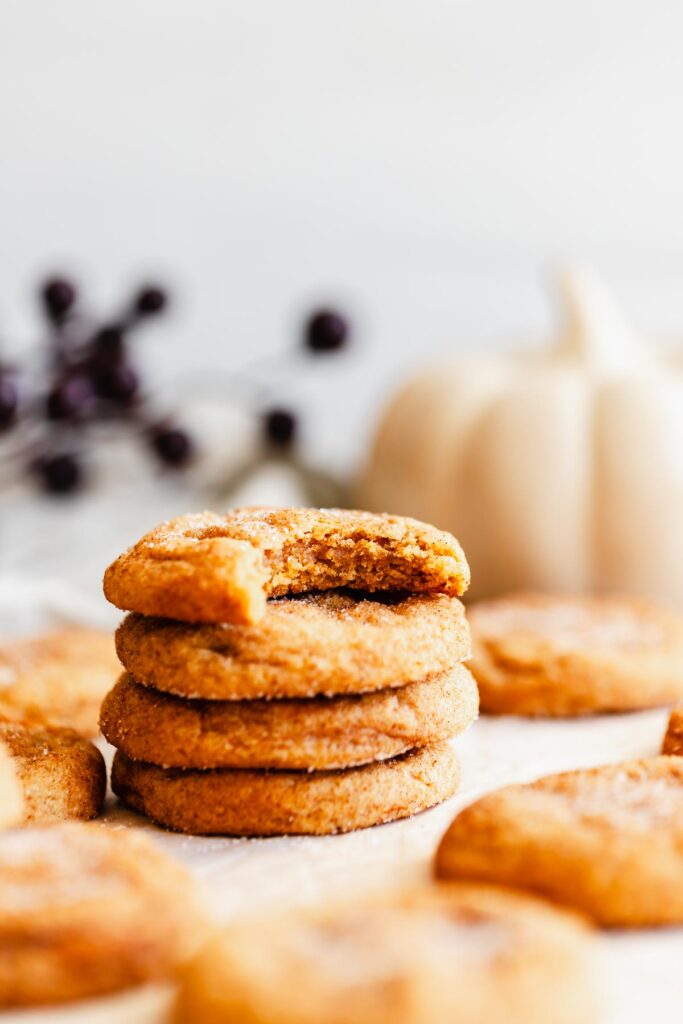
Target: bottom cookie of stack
{"type": "Point", "coordinates": [253, 802]}
{"type": "Point", "coordinates": [287, 766]}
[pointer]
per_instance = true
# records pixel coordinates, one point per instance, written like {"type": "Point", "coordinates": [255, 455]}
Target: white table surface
{"type": "Point", "coordinates": [639, 972]}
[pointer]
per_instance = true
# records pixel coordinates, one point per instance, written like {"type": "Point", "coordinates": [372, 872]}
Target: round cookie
{"type": "Point", "coordinates": [543, 655]}
{"type": "Point", "coordinates": [331, 643]}
{"type": "Point", "coordinates": [62, 775]}
{"type": "Point", "coordinates": [260, 803]}
{"type": "Point", "coordinates": [673, 739]}
{"type": "Point", "coordinates": [12, 806]}
{"type": "Point", "coordinates": [207, 567]}
{"type": "Point", "coordinates": [58, 678]}
{"type": "Point", "coordinates": [464, 953]}
{"type": "Point", "coordinates": [607, 841]}
{"type": "Point", "coordinates": [321, 733]}
{"type": "Point", "coordinates": [86, 910]}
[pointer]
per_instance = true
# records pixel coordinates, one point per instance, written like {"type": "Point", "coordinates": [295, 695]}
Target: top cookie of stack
{"type": "Point", "coordinates": [299, 605]}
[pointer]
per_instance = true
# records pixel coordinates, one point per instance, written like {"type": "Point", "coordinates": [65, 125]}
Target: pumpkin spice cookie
{"type": "Point", "coordinates": [86, 910]}
{"type": "Point", "coordinates": [464, 953]}
{"type": "Point", "coordinates": [260, 803]}
{"type": "Point", "coordinates": [321, 733]}
{"type": "Point", "coordinates": [58, 678]}
{"type": "Point", "coordinates": [542, 655]}
{"type": "Point", "coordinates": [62, 775]}
{"type": "Point", "coordinates": [331, 643]}
{"type": "Point", "coordinates": [207, 567]}
{"type": "Point", "coordinates": [607, 841]}
{"type": "Point", "coordinates": [12, 806]}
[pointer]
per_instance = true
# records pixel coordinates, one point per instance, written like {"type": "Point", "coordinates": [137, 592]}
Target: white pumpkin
{"type": "Point", "coordinates": [558, 470]}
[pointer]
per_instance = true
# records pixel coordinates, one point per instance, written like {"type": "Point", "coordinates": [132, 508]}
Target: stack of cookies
{"type": "Point", "coordinates": [291, 671]}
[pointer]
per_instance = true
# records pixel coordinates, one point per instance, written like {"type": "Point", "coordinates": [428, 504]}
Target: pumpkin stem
{"type": "Point", "coordinates": [596, 332]}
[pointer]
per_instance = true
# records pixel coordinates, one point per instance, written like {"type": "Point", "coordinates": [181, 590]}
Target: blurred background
{"type": "Point", "coordinates": [419, 166]}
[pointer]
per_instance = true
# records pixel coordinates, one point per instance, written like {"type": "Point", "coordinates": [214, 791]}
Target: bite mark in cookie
{"type": "Point", "coordinates": [221, 568]}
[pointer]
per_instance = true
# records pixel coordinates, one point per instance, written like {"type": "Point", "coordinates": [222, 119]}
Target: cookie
{"type": "Point", "coordinates": [337, 642]}
{"type": "Point", "coordinates": [542, 655]}
{"type": "Point", "coordinates": [62, 775]}
{"type": "Point", "coordinates": [12, 806]}
{"type": "Point", "coordinates": [86, 910]}
{"type": "Point", "coordinates": [58, 678]}
{"type": "Point", "coordinates": [260, 803]}
{"type": "Point", "coordinates": [607, 841]}
{"type": "Point", "coordinates": [221, 568]}
{"type": "Point", "coordinates": [464, 953]}
{"type": "Point", "coordinates": [673, 740]}
{"type": "Point", "coordinates": [321, 733]}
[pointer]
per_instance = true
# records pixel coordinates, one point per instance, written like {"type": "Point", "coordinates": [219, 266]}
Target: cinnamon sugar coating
{"type": "Point", "coordinates": [319, 733]}
{"type": "Point", "coordinates": [536, 654]}
{"type": "Point", "coordinates": [251, 803]}
{"type": "Point", "coordinates": [607, 841]}
{"type": "Point", "coordinates": [334, 642]}
{"type": "Point", "coordinates": [62, 775]}
{"type": "Point", "coordinates": [207, 567]}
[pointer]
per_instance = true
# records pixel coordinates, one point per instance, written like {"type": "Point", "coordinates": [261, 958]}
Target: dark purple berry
{"type": "Point", "coordinates": [119, 383]}
{"type": "Point", "coordinates": [60, 474]}
{"type": "Point", "coordinates": [9, 399]}
{"type": "Point", "coordinates": [108, 345]}
{"type": "Point", "coordinates": [70, 398]}
{"type": "Point", "coordinates": [326, 331]}
{"type": "Point", "coordinates": [172, 445]}
{"type": "Point", "coordinates": [150, 300]}
{"type": "Point", "coordinates": [279, 427]}
{"type": "Point", "coordinates": [58, 297]}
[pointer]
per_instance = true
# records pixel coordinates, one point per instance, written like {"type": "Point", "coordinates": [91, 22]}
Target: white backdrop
{"type": "Point", "coordinates": [419, 161]}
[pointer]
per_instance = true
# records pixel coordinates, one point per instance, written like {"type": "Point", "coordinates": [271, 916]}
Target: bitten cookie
{"type": "Point", "coordinates": [221, 568]}
{"type": "Point", "coordinates": [58, 678]}
{"type": "Point", "coordinates": [608, 841]}
{"type": "Point", "coordinates": [86, 910]}
{"type": "Point", "coordinates": [259, 803]}
{"type": "Point", "coordinates": [12, 807]}
{"type": "Point", "coordinates": [464, 953]}
{"type": "Point", "coordinates": [336, 642]}
{"type": "Point", "coordinates": [62, 775]}
{"type": "Point", "coordinates": [321, 733]}
{"type": "Point", "coordinates": [542, 655]}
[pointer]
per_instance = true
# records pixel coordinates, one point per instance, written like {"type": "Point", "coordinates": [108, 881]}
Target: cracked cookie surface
{"type": "Point", "coordinates": [207, 567]}
{"type": "Point", "coordinates": [258, 803]}
{"type": "Point", "coordinates": [607, 841]}
{"type": "Point", "coordinates": [319, 733]}
{"type": "Point", "coordinates": [333, 642]}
